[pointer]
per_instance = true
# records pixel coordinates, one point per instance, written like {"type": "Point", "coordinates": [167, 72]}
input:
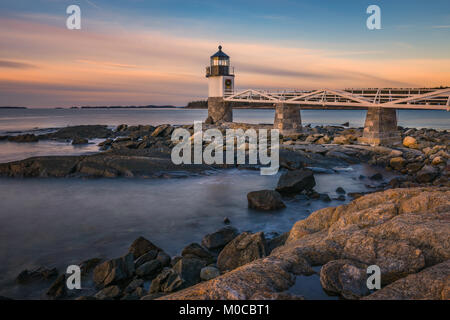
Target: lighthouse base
{"type": "Point", "coordinates": [219, 110]}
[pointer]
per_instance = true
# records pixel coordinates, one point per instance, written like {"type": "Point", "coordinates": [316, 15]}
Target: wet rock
{"type": "Point", "coordinates": [89, 265]}
{"type": "Point", "coordinates": [167, 281]}
{"type": "Point", "coordinates": [149, 269]}
{"type": "Point", "coordinates": [164, 258]}
{"type": "Point", "coordinates": [243, 249]}
{"type": "Point", "coordinates": [133, 285]}
{"type": "Point", "coordinates": [427, 174]}
{"type": "Point", "coordinates": [175, 260]}
{"type": "Point", "coordinates": [226, 220]}
{"type": "Point", "coordinates": [83, 131]}
{"type": "Point", "coordinates": [122, 127]}
{"type": "Point", "coordinates": [77, 141]}
{"type": "Point", "coordinates": [141, 246]}
{"type": "Point", "coordinates": [109, 293]}
{"type": "Point", "coordinates": [208, 273]}
{"type": "Point", "coordinates": [58, 289]}
{"type": "Point", "coordinates": [113, 271]}
{"type": "Point", "coordinates": [137, 294]}
{"type": "Point", "coordinates": [340, 190]}
{"type": "Point", "coordinates": [429, 284]}
{"type": "Point", "coordinates": [189, 270]}
{"type": "Point", "coordinates": [146, 257]}
{"type": "Point", "coordinates": [277, 241]}
{"type": "Point", "coordinates": [296, 181]}
{"type": "Point", "coordinates": [24, 138]}
{"type": "Point", "coordinates": [344, 277]}
{"type": "Point", "coordinates": [376, 176]}
{"type": "Point", "coordinates": [266, 200]}
{"type": "Point", "coordinates": [194, 250]}
{"type": "Point", "coordinates": [220, 238]}
{"type": "Point", "coordinates": [41, 273]}
{"type": "Point", "coordinates": [397, 163]}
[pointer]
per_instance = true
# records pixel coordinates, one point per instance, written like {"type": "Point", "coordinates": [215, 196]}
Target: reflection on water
{"type": "Point", "coordinates": [56, 222]}
{"type": "Point", "coordinates": [12, 151]}
{"type": "Point", "coordinates": [29, 119]}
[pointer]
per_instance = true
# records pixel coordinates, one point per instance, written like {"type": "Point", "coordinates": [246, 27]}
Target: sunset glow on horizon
{"type": "Point", "coordinates": [120, 58]}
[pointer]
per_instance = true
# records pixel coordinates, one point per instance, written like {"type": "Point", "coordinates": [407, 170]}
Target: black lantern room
{"type": "Point", "coordinates": [219, 65]}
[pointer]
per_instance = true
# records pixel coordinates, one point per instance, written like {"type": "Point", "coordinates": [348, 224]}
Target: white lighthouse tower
{"type": "Point", "coordinates": [220, 84]}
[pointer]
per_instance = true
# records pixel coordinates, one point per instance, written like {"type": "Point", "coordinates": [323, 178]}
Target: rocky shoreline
{"type": "Point", "coordinates": [403, 231]}
{"type": "Point", "coordinates": [402, 226]}
{"type": "Point", "coordinates": [144, 151]}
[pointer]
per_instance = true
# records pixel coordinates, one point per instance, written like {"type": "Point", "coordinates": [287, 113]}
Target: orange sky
{"type": "Point", "coordinates": [44, 65]}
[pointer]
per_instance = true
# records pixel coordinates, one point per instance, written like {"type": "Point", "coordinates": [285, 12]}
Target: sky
{"type": "Point", "coordinates": [139, 52]}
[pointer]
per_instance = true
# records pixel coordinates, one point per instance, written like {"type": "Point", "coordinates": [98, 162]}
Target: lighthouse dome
{"type": "Point", "coordinates": [220, 54]}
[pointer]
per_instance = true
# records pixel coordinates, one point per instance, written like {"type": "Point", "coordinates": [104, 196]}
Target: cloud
{"type": "Point", "coordinates": [125, 65]}
{"type": "Point", "coordinates": [16, 65]}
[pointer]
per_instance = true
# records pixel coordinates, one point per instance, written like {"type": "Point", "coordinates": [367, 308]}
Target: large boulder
{"type": "Point", "coordinates": [427, 174]}
{"type": "Point", "coordinates": [430, 284]}
{"type": "Point", "coordinates": [149, 270]}
{"type": "Point", "coordinates": [40, 273]}
{"type": "Point", "coordinates": [141, 246]}
{"type": "Point", "coordinates": [109, 293]}
{"type": "Point", "coordinates": [208, 273]}
{"type": "Point", "coordinates": [114, 271]}
{"type": "Point", "coordinates": [167, 281]}
{"type": "Point", "coordinates": [397, 163]}
{"type": "Point", "coordinates": [265, 200]}
{"type": "Point", "coordinates": [245, 248]}
{"type": "Point", "coordinates": [296, 181]}
{"type": "Point", "coordinates": [220, 238]}
{"type": "Point", "coordinates": [189, 270]}
{"type": "Point", "coordinates": [194, 250]}
{"type": "Point", "coordinates": [344, 277]}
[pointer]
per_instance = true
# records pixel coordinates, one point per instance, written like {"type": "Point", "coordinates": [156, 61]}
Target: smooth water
{"type": "Point", "coordinates": [58, 222]}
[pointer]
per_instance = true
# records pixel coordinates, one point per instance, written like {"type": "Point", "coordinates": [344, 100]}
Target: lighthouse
{"type": "Point", "coordinates": [220, 77]}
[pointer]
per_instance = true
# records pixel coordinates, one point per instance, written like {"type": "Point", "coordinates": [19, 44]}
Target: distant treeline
{"type": "Point", "coordinates": [123, 107]}
{"type": "Point", "coordinates": [7, 107]}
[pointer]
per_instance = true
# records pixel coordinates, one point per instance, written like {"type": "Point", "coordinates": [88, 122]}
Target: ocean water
{"type": "Point", "coordinates": [57, 222]}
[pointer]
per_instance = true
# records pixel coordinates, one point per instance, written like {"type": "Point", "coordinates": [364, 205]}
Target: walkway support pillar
{"type": "Point", "coordinates": [380, 127]}
{"type": "Point", "coordinates": [287, 119]}
{"type": "Point", "coordinates": [219, 110]}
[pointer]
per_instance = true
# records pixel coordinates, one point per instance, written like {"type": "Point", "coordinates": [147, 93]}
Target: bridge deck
{"type": "Point", "coordinates": [397, 98]}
